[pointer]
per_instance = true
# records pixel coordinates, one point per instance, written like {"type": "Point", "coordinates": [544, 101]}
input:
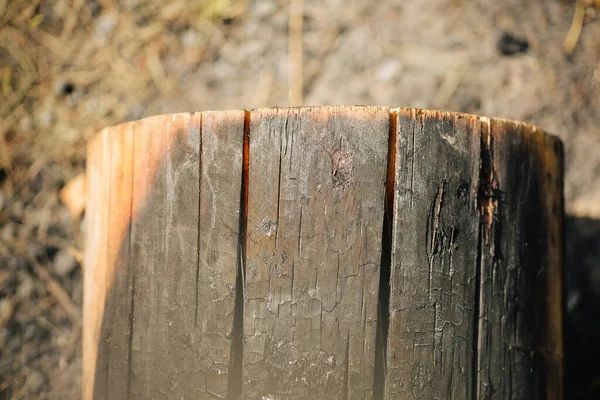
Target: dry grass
{"type": "Point", "coordinates": [78, 65]}
{"type": "Point", "coordinates": [68, 68]}
{"type": "Point", "coordinates": [581, 7]}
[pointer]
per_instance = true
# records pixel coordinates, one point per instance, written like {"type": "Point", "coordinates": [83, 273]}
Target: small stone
{"type": "Point", "coordinates": [190, 38]}
{"type": "Point", "coordinates": [64, 263]}
{"type": "Point", "coordinates": [105, 26]}
{"type": "Point", "coordinates": [388, 70]}
{"type": "Point", "coordinates": [46, 117]}
{"type": "Point", "coordinates": [264, 8]}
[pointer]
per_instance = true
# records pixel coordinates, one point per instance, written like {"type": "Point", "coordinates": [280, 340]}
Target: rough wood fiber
{"type": "Point", "coordinates": [520, 330]}
{"type": "Point", "coordinates": [95, 263]}
{"type": "Point", "coordinates": [315, 213]}
{"type": "Point", "coordinates": [164, 257]}
{"type": "Point", "coordinates": [266, 254]}
{"type": "Point", "coordinates": [169, 301]}
{"type": "Point", "coordinates": [115, 333]}
{"type": "Point", "coordinates": [220, 184]}
{"type": "Point", "coordinates": [434, 256]}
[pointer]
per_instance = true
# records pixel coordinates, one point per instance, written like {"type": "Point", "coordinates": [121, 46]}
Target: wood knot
{"type": "Point", "coordinates": [342, 165]}
{"type": "Point", "coordinates": [267, 226]}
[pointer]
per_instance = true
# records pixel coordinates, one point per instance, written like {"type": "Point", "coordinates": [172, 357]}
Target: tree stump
{"type": "Point", "coordinates": [323, 253]}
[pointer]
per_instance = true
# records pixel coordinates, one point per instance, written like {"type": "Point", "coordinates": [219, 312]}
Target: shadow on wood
{"type": "Point", "coordinates": [335, 252]}
{"type": "Point", "coordinates": [582, 322]}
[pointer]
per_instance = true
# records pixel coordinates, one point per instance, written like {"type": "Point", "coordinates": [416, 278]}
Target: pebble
{"type": "Point", "coordinates": [64, 263]}
{"type": "Point", "coordinates": [264, 8]}
{"type": "Point", "coordinates": [105, 26]}
{"type": "Point", "coordinates": [46, 118]}
{"type": "Point", "coordinates": [190, 38]}
{"type": "Point", "coordinates": [388, 70]}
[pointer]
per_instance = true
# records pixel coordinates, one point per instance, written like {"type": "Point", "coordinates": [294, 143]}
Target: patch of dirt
{"type": "Point", "coordinates": [70, 67]}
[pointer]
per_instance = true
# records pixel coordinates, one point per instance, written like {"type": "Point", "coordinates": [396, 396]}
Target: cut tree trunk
{"type": "Point", "coordinates": [323, 253]}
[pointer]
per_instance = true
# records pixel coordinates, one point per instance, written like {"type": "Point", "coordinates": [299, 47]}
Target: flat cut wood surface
{"type": "Point", "coordinates": [323, 253]}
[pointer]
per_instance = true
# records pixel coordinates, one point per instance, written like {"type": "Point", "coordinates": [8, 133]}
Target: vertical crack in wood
{"type": "Point", "coordinates": [383, 313]}
{"type": "Point", "coordinates": [300, 228]}
{"type": "Point", "coordinates": [131, 268]}
{"type": "Point", "coordinates": [434, 236]}
{"type": "Point", "coordinates": [485, 208]}
{"type": "Point", "coordinates": [279, 192]}
{"type": "Point", "coordinates": [488, 185]}
{"type": "Point", "coordinates": [199, 213]}
{"type": "Point", "coordinates": [476, 319]}
{"type": "Point", "coordinates": [346, 370]}
{"type": "Point", "coordinates": [235, 377]}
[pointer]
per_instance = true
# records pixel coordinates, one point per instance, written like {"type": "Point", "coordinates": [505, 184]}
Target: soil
{"type": "Point", "coordinates": [501, 58]}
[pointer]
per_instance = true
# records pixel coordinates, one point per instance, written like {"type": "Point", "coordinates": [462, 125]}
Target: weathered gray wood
{"type": "Point", "coordinates": [315, 212]}
{"type": "Point", "coordinates": [520, 310]}
{"type": "Point", "coordinates": [220, 184]}
{"type": "Point", "coordinates": [164, 247]}
{"type": "Point", "coordinates": [147, 250]}
{"type": "Point", "coordinates": [165, 258]}
{"type": "Point", "coordinates": [434, 256]}
{"type": "Point", "coordinates": [240, 254]}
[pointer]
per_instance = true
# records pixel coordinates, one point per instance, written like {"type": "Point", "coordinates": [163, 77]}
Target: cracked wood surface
{"type": "Point", "coordinates": [315, 214]}
{"type": "Point", "coordinates": [239, 254]}
{"type": "Point", "coordinates": [520, 309]}
{"type": "Point", "coordinates": [434, 256]}
{"type": "Point", "coordinates": [164, 258]}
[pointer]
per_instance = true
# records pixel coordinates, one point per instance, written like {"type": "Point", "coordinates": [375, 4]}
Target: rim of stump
{"type": "Point", "coordinates": [527, 127]}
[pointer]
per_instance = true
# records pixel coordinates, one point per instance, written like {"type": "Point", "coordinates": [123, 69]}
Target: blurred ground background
{"type": "Point", "coordinates": [71, 67]}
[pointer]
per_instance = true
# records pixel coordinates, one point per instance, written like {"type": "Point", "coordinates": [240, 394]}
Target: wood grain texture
{"type": "Point", "coordinates": [165, 256]}
{"type": "Point", "coordinates": [164, 247]}
{"type": "Point", "coordinates": [434, 256]}
{"type": "Point", "coordinates": [220, 184]}
{"type": "Point", "coordinates": [315, 213]}
{"type": "Point", "coordinates": [113, 380]}
{"type": "Point", "coordinates": [520, 312]}
{"type": "Point", "coordinates": [323, 253]}
{"type": "Point", "coordinates": [94, 282]}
